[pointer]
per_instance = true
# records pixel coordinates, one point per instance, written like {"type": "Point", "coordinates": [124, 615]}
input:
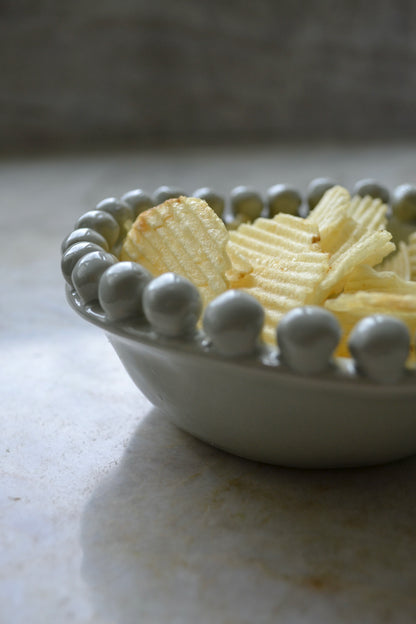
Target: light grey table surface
{"type": "Point", "coordinates": [108, 512]}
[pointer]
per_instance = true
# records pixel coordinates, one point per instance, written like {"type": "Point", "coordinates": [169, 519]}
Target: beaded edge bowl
{"type": "Point", "coordinates": [253, 403]}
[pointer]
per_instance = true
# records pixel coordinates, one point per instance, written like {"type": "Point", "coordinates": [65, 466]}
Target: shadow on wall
{"type": "Point", "coordinates": [182, 532]}
{"type": "Point", "coordinates": [191, 72]}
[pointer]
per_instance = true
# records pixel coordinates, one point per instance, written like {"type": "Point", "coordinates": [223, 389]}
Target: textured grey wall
{"type": "Point", "coordinates": [95, 71]}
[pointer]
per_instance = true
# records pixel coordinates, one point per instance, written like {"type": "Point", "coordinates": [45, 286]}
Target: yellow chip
{"type": "Point", "coordinates": [412, 255]}
{"type": "Point", "coordinates": [353, 232]}
{"type": "Point", "coordinates": [289, 227]}
{"type": "Point", "coordinates": [290, 285]}
{"type": "Point", "coordinates": [332, 218]}
{"type": "Point", "coordinates": [368, 212]}
{"type": "Point", "coordinates": [241, 267]}
{"type": "Point", "coordinates": [368, 279]}
{"type": "Point", "coordinates": [287, 262]}
{"type": "Point", "coordinates": [334, 203]}
{"type": "Point", "coordinates": [337, 228]}
{"type": "Point", "coordinates": [398, 263]}
{"type": "Point", "coordinates": [267, 240]}
{"type": "Point", "coordinates": [183, 235]}
{"type": "Point", "coordinates": [363, 247]}
{"type": "Point", "coordinates": [350, 308]}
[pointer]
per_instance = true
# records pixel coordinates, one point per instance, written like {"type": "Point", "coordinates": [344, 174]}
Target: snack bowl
{"type": "Point", "coordinates": [260, 403]}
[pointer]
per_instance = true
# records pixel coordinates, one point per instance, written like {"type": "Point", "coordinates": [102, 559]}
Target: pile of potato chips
{"type": "Point", "coordinates": [340, 257]}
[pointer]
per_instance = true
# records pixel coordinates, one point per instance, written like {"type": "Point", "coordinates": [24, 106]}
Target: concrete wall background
{"type": "Point", "coordinates": [99, 71]}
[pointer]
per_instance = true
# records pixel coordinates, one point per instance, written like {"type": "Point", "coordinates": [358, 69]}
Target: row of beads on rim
{"type": "Point", "coordinates": [307, 336]}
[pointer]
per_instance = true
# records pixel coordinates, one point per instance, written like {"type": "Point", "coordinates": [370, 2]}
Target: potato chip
{"type": "Point", "coordinates": [183, 235]}
{"type": "Point", "coordinates": [292, 287]}
{"type": "Point", "coordinates": [336, 200]}
{"type": "Point", "coordinates": [240, 268]}
{"type": "Point", "coordinates": [290, 227]}
{"type": "Point", "coordinates": [363, 247]}
{"type": "Point", "coordinates": [331, 217]}
{"type": "Point", "coordinates": [349, 308]}
{"type": "Point", "coordinates": [350, 243]}
{"type": "Point", "coordinates": [398, 262]}
{"type": "Point", "coordinates": [368, 212]}
{"type": "Point", "coordinates": [287, 262]}
{"type": "Point", "coordinates": [269, 239]}
{"type": "Point", "coordinates": [412, 255]}
{"type": "Point", "coordinates": [369, 279]}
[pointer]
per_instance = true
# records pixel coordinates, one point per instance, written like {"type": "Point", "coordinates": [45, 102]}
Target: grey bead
{"type": "Point", "coordinates": [247, 202]}
{"type": "Point", "coordinates": [283, 198]}
{"type": "Point", "coordinates": [233, 321]}
{"type": "Point", "coordinates": [317, 189]}
{"type": "Point", "coordinates": [138, 200]}
{"type": "Point", "coordinates": [380, 347]}
{"type": "Point", "coordinates": [87, 272]}
{"type": "Point", "coordinates": [120, 290]}
{"type": "Point", "coordinates": [73, 254]}
{"type": "Point", "coordinates": [102, 222]}
{"type": "Point", "coordinates": [404, 202]}
{"type": "Point", "coordinates": [307, 338]}
{"type": "Point", "coordinates": [373, 189]}
{"type": "Point", "coordinates": [121, 211]}
{"type": "Point", "coordinates": [162, 193]}
{"type": "Point", "coordinates": [172, 304]}
{"type": "Point", "coordinates": [213, 199]}
{"type": "Point", "coordinates": [84, 235]}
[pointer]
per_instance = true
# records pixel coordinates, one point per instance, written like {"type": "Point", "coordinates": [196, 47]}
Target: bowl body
{"type": "Point", "coordinates": [258, 409]}
{"type": "Point", "coordinates": [291, 404]}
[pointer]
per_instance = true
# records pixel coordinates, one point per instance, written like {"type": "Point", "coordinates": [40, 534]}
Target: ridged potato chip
{"type": "Point", "coordinates": [368, 279]}
{"type": "Point", "coordinates": [183, 235]}
{"type": "Point", "coordinates": [363, 247]}
{"type": "Point", "coordinates": [272, 238]}
{"type": "Point", "coordinates": [349, 242]}
{"type": "Point", "coordinates": [241, 267]}
{"type": "Point", "coordinates": [326, 259]}
{"type": "Point", "coordinates": [398, 262]}
{"type": "Point", "coordinates": [335, 202]}
{"type": "Point", "coordinates": [332, 218]}
{"type": "Point", "coordinates": [350, 308]}
{"type": "Point", "coordinates": [287, 262]}
{"type": "Point", "coordinates": [412, 255]}
{"type": "Point", "coordinates": [368, 212]}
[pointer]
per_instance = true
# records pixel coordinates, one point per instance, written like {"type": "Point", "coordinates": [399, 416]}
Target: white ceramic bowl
{"type": "Point", "coordinates": [255, 406]}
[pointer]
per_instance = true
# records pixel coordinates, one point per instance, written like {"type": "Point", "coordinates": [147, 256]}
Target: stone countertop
{"type": "Point", "coordinates": [109, 514]}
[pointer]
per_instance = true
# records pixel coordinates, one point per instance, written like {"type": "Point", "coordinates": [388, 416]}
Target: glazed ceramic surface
{"type": "Point", "coordinates": [258, 409]}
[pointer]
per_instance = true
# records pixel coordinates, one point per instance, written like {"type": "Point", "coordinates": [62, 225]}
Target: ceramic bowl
{"type": "Point", "coordinates": [258, 404]}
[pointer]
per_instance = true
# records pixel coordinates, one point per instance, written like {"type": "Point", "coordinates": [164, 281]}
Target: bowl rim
{"type": "Point", "coordinates": [340, 375]}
